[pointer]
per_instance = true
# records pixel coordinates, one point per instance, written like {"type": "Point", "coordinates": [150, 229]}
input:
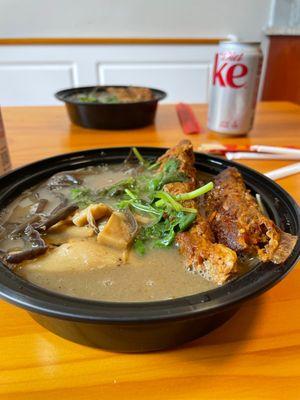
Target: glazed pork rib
{"type": "Point", "coordinates": [214, 261]}
{"type": "Point", "coordinates": [237, 222]}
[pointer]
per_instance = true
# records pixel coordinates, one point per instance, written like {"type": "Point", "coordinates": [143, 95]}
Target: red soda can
{"type": "Point", "coordinates": [235, 81]}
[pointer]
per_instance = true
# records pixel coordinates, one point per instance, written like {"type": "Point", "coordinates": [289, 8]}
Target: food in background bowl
{"type": "Point", "coordinates": [111, 107]}
{"type": "Point", "coordinates": [114, 95]}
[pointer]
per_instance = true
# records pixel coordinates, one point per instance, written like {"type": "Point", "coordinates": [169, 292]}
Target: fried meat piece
{"type": "Point", "coordinates": [213, 261]}
{"type": "Point", "coordinates": [237, 222]}
{"type": "Point", "coordinates": [183, 152]}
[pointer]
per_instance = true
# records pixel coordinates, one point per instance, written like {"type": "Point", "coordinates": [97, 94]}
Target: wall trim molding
{"type": "Point", "coordinates": [109, 41]}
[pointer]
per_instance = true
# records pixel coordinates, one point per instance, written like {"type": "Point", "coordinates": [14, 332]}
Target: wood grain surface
{"type": "Point", "coordinates": [255, 355]}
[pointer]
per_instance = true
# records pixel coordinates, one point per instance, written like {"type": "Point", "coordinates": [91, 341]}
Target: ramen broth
{"type": "Point", "coordinates": [77, 265]}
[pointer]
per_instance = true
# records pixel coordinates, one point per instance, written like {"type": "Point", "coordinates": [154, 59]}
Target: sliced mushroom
{"type": "Point", "coordinates": [20, 229]}
{"type": "Point", "coordinates": [34, 236]}
{"type": "Point", "coordinates": [90, 214]}
{"type": "Point", "coordinates": [39, 207]}
{"type": "Point", "coordinates": [63, 179]}
{"type": "Point", "coordinates": [18, 257]}
{"type": "Point", "coordinates": [54, 218]}
{"type": "Point", "coordinates": [3, 259]}
{"type": "Point", "coordinates": [39, 247]}
{"type": "Point", "coordinates": [63, 203]}
{"type": "Point", "coordinates": [62, 223]}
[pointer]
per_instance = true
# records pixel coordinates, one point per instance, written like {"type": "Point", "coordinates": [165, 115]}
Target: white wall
{"type": "Point", "coordinates": [30, 75]}
{"type": "Point", "coordinates": [133, 18]}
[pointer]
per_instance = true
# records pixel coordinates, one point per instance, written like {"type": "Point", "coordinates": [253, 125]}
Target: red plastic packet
{"type": "Point", "coordinates": [187, 118]}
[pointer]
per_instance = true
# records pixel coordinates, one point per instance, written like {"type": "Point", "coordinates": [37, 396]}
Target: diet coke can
{"type": "Point", "coordinates": [235, 82]}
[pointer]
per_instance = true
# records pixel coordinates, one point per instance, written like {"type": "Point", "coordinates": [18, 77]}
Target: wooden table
{"type": "Point", "coordinates": [255, 355]}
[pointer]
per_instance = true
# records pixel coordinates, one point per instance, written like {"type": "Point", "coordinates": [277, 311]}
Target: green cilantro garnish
{"type": "Point", "coordinates": [144, 195]}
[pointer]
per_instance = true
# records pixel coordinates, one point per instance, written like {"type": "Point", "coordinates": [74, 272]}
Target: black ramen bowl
{"type": "Point", "coordinates": [144, 326]}
{"type": "Point", "coordinates": [109, 116]}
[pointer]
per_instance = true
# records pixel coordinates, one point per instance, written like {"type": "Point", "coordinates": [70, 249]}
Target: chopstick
{"type": "Point", "coordinates": [284, 171]}
{"type": "Point", "coordinates": [258, 152]}
{"type": "Point", "coordinates": [222, 149]}
{"type": "Point", "coordinates": [261, 156]}
{"type": "Point", "coordinates": [275, 149]}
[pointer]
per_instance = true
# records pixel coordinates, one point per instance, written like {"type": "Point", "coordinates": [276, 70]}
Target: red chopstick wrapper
{"type": "Point", "coordinates": [187, 118]}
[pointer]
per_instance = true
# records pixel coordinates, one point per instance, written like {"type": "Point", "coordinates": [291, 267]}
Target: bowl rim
{"type": "Point", "coordinates": [63, 93]}
{"type": "Point", "coordinates": [22, 293]}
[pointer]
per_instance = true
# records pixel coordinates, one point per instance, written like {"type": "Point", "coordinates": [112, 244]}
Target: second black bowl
{"type": "Point", "coordinates": [109, 116]}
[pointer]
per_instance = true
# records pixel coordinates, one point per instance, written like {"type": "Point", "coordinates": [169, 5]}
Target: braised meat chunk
{"type": "Point", "coordinates": [184, 154]}
{"type": "Point", "coordinates": [214, 261]}
{"type": "Point", "coordinates": [237, 222]}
